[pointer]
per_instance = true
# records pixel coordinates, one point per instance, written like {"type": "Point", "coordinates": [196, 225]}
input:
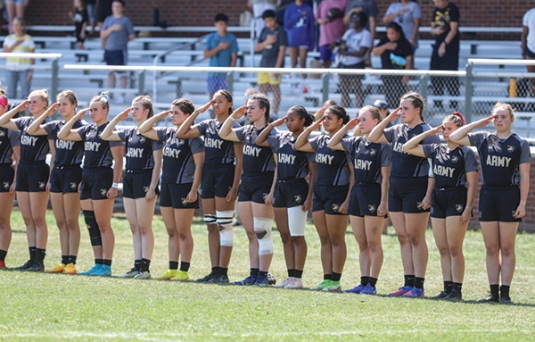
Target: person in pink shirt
{"type": "Point", "coordinates": [330, 16]}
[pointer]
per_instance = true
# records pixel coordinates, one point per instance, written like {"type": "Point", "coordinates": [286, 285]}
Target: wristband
{"type": "Point", "coordinates": [115, 185]}
{"type": "Point", "coordinates": [232, 118]}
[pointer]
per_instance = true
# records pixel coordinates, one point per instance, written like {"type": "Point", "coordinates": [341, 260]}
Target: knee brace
{"type": "Point", "coordinates": [209, 219]}
{"type": "Point", "coordinates": [226, 233]}
{"type": "Point", "coordinates": [297, 220]}
{"type": "Point", "coordinates": [92, 227]}
{"type": "Point", "coordinates": [262, 228]}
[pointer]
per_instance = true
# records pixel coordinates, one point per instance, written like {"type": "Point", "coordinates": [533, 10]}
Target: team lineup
{"type": "Point", "coordinates": [362, 170]}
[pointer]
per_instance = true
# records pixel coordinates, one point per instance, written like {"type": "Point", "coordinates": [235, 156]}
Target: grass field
{"type": "Point", "coordinates": [62, 307]}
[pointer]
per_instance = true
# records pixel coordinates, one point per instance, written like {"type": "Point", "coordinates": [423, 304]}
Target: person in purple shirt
{"type": "Point", "coordinates": [301, 30]}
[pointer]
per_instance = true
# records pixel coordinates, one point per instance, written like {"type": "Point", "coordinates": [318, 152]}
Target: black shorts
{"type": "Point", "coordinates": [7, 173]}
{"type": "Point", "coordinates": [79, 38]}
{"type": "Point", "coordinates": [406, 194]}
{"type": "Point", "coordinates": [96, 182]}
{"type": "Point", "coordinates": [530, 53]}
{"type": "Point", "coordinates": [498, 203]}
{"type": "Point", "coordinates": [216, 180]}
{"type": "Point", "coordinates": [103, 10]}
{"type": "Point", "coordinates": [290, 193]}
{"type": "Point", "coordinates": [136, 184]}
{"type": "Point", "coordinates": [255, 188]}
{"type": "Point", "coordinates": [448, 202]}
{"type": "Point", "coordinates": [364, 199]}
{"type": "Point", "coordinates": [329, 198]}
{"type": "Point", "coordinates": [65, 179]}
{"type": "Point", "coordinates": [174, 195]}
{"type": "Point", "coordinates": [32, 177]}
{"type": "Point", "coordinates": [114, 57]}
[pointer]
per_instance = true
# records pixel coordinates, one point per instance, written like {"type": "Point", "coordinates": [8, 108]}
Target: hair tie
{"type": "Point", "coordinates": [105, 96]}
{"type": "Point", "coordinates": [460, 116]}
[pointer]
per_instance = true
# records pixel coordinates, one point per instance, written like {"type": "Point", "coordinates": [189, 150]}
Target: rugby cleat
{"type": "Point", "coordinates": [70, 269]}
{"type": "Point", "coordinates": [59, 268]}
{"type": "Point", "coordinates": [321, 285]}
{"type": "Point", "coordinates": [168, 275]}
{"type": "Point", "coordinates": [400, 292]}
{"type": "Point", "coordinates": [181, 276]}
{"type": "Point", "coordinates": [250, 280]}
{"type": "Point", "coordinates": [414, 293]}
{"type": "Point", "coordinates": [357, 289]}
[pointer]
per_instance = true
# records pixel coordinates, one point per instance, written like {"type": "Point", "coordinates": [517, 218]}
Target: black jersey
{"type": "Point", "coordinates": [405, 165]}
{"type": "Point", "coordinates": [32, 148]}
{"type": "Point", "coordinates": [9, 138]}
{"type": "Point", "coordinates": [178, 164]}
{"type": "Point", "coordinates": [256, 159]}
{"type": "Point", "coordinates": [368, 158]}
{"type": "Point", "coordinates": [500, 158]}
{"type": "Point", "coordinates": [217, 150]}
{"type": "Point", "coordinates": [291, 163]}
{"type": "Point", "coordinates": [450, 166]}
{"type": "Point", "coordinates": [333, 168]}
{"type": "Point", "coordinates": [138, 149]}
{"type": "Point", "coordinates": [68, 153]}
{"type": "Point", "coordinates": [97, 151]}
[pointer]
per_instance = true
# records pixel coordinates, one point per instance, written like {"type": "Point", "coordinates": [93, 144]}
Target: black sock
{"type": "Point", "coordinates": [254, 271]}
{"type": "Point", "coordinates": [33, 250]}
{"type": "Point", "coordinates": [298, 274]}
{"type": "Point", "coordinates": [409, 280]}
{"type": "Point", "coordinates": [448, 285]}
{"type": "Point", "coordinates": [173, 265]}
{"type": "Point", "coordinates": [215, 270]}
{"type": "Point", "coordinates": [71, 259]}
{"type": "Point", "coordinates": [137, 264]}
{"type": "Point", "coordinates": [291, 273]}
{"type": "Point", "coordinates": [364, 280]}
{"type": "Point", "coordinates": [40, 255]}
{"type": "Point", "coordinates": [184, 266]}
{"type": "Point", "coordinates": [223, 271]}
{"type": "Point", "coordinates": [262, 274]}
{"type": "Point", "coordinates": [99, 261]}
{"type": "Point", "coordinates": [3, 255]}
{"type": "Point", "coordinates": [419, 283]}
{"type": "Point", "coordinates": [372, 281]}
{"type": "Point", "coordinates": [327, 276]}
{"type": "Point", "coordinates": [106, 262]}
{"type": "Point", "coordinates": [64, 259]}
{"type": "Point", "coordinates": [495, 290]}
{"type": "Point", "coordinates": [336, 276]}
{"type": "Point", "coordinates": [457, 287]}
{"type": "Point", "coordinates": [504, 290]}
{"type": "Point", "coordinates": [145, 265]}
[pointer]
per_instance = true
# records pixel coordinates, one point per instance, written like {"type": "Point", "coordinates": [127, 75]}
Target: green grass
{"type": "Point", "coordinates": [53, 307]}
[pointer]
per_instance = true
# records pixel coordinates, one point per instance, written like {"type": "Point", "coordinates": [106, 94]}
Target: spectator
{"type": "Point", "coordinates": [90, 5]}
{"type": "Point", "coordinates": [103, 11]}
{"type": "Point", "coordinates": [18, 69]}
{"type": "Point", "coordinates": [445, 56]}
{"type": "Point", "coordinates": [369, 7]}
{"type": "Point", "coordinates": [259, 7]}
{"type": "Point", "coordinates": [528, 44]}
{"type": "Point", "coordinates": [80, 18]}
{"type": "Point", "coordinates": [222, 49]}
{"type": "Point", "coordinates": [407, 14]}
{"type": "Point", "coordinates": [396, 53]}
{"type": "Point", "coordinates": [300, 28]}
{"type": "Point", "coordinates": [356, 42]}
{"type": "Point", "coordinates": [15, 9]}
{"type": "Point", "coordinates": [272, 44]}
{"type": "Point", "coordinates": [329, 16]}
{"type": "Point", "coordinates": [117, 31]}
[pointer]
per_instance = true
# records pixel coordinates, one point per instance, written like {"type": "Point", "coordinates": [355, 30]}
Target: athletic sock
{"type": "Point", "coordinates": [71, 259]}
{"type": "Point", "coordinates": [457, 287]}
{"type": "Point", "coordinates": [33, 250]}
{"type": "Point", "coordinates": [215, 270]}
{"type": "Point", "coordinates": [145, 265]}
{"type": "Point", "coordinates": [64, 259]}
{"type": "Point", "coordinates": [3, 255]}
{"type": "Point", "coordinates": [364, 280]}
{"type": "Point", "coordinates": [495, 290]}
{"type": "Point", "coordinates": [298, 274]}
{"type": "Point", "coordinates": [504, 290]}
{"type": "Point", "coordinates": [448, 285]}
{"type": "Point", "coordinates": [106, 262]}
{"type": "Point", "coordinates": [184, 266]}
{"type": "Point", "coordinates": [409, 280]}
{"type": "Point", "coordinates": [99, 261]}
{"type": "Point", "coordinates": [262, 274]}
{"type": "Point", "coordinates": [419, 283]}
{"type": "Point", "coordinates": [173, 265]}
{"type": "Point", "coordinates": [327, 276]}
{"type": "Point", "coordinates": [40, 255]}
{"type": "Point", "coordinates": [291, 273]}
{"type": "Point", "coordinates": [137, 264]}
{"type": "Point", "coordinates": [223, 271]}
{"type": "Point", "coordinates": [254, 271]}
{"type": "Point", "coordinates": [336, 276]}
{"type": "Point", "coordinates": [372, 281]}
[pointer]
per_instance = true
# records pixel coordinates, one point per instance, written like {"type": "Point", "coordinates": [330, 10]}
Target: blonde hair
{"type": "Point", "coordinates": [69, 95]}
{"type": "Point", "coordinates": [43, 95]}
{"type": "Point", "coordinates": [374, 111]}
{"type": "Point", "coordinates": [146, 102]}
{"type": "Point", "coordinates": [103, 99]}
{"type": "Point", "coordinates": [505, 106]}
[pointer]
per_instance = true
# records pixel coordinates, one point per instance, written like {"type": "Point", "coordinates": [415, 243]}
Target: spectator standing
{"type": "Point", "coordinates": [19, 69]}
{"type": "Point", "coordinates": [80, 18]}
{"type": "Point", "coordinates": [367, 6]}
{"type": "Point", "coordinates": [116, 32]}
{"type": "Point", "coordinates": [259, 7]}
{"type": "Point", "coordinates": [408, 15]}
{"type": "Point", "coordinates": [329, 17]}
{"type": "Point", "coordinates": [272, 44]}
{"type": "Point", "coordinates": [300, 28]}
{"type": "Point", "coordinates": [445, 56]}
{"type": "Point", "coordinates": [528, 44]}
{"type": "Point", "coordinates": [15, 9]}
{"type": "Point", "coordinates": [222, 49]}
{"type": "Point", "coordinates": [90, 5]}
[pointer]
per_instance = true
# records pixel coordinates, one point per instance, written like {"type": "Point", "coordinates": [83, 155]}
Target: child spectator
{"type": "Point", "coordinates": [222, 49]}
{"type": "Point", "coordinates": [330, 18]}
{"type": "Point", "coordinates": [272, 43]}
{"type": "Point", "coordinates": [299, 25]}
{"type": "Point", "coordinates": [80, 18]}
